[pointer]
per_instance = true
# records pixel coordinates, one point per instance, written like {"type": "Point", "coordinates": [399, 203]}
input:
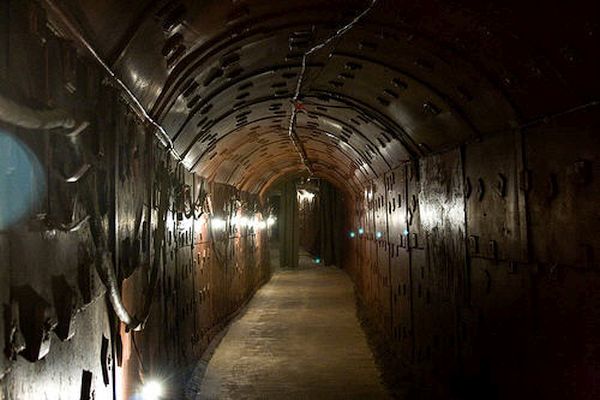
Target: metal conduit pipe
{"type": "Point", "coordinates": [103, 260]}
{"type": "Point", "coordinates": [133, 102]}
{"type": "Point", "coordinates": [105, 269]}
{"type": "Point", "coordinates": [26, 117]}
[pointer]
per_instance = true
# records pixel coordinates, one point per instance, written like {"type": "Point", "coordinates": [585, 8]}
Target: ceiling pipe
{"type": "Point", "coordinates": [29, 118]}
{"type": "Point", "coordinates": [133, 101]}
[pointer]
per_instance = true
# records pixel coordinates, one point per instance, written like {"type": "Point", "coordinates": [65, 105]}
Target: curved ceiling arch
{"type": "Point", "coordinates": [277, 163]}
{"type": "Point", "coordinates": [345, 188]}
{"type": "Point", "coordinates": [280, 115]}
{"type": "Point", "coordinates": [240, 168]}
{"type": "Point", "coordinates": [408, 80]}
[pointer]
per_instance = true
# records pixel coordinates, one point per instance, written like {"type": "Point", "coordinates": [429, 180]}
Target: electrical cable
{"type": "Point", "coordinates": [296, 106]}
{"type": "Point", "coordinates": [133, 102]}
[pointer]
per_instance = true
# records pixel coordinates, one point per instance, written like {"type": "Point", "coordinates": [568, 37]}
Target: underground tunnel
{"type": "Point", "coordinates": [344, 199]}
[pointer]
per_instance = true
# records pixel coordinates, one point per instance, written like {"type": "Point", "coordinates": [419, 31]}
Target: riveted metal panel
{"type": "Point", "coordinates": [381, 241]}
{"type": "Point", "coordinates": [442, 218]}
{"type": "Point", "coordinates": [495, 202]}
{"type": "Point", "coordinates": [423, 318]}
{"type": "Point", "coordinates": [564, 167]}
{"type": "Point", "coordinates": [400, 269]}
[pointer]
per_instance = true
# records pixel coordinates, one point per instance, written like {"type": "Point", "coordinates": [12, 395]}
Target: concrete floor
{"type": "Point", "coordinates": [299, 338]}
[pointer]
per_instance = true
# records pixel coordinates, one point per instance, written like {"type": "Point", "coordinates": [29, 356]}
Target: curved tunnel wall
{"type": "Point", "coordinates": [478, 122]}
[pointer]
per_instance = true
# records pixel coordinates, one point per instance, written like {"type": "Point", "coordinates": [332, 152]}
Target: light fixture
{"type": "Point", "coordinates": [258, 225]}
{"type": "Point", "coordinates": [352, 234]}
{"type": "Point", "coordinates": [218, 223]}
{"type": "Point", "coordinates": [152, 390]}
{"type": "Point", "coordinates": [271, 221]}
{"type": "Point", "coordinates": [361, 231]}
{"type": "Point", "coordinates": [317, 260]}
{"type": "Point", "coordinates": [305, 195]}
{"type": "Point", "coordinates": [378, 235]}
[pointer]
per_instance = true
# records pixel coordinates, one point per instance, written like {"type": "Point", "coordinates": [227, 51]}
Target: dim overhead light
{"type": "Point", "coordinates": [259, 225]}
{"type": "Point", "coordinates": [152, 390]}
{"type": "Point", "coordinates": [305, 195]}
{"type": "Point", "coordinates": [317, 260]}
{"type": "Point", "coordinates": [240, 221]}
{"type": "Point", "coordinates": [378, 235]}
{"type": "Point", "coordinates": [405, 232]}
{"type": "Point", "coordinates": [352, 234]}
{"type": "Point", "coordinates": [361, 231]}
{"type": "Point", "coordinates": [218, 223]}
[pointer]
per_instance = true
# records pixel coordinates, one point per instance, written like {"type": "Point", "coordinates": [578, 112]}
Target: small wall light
{"type": "Point", "coordinates": [152, 390]}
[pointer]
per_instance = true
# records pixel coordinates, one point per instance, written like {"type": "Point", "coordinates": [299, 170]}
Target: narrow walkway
{"type": "Point", "coordinates": [298, 339]}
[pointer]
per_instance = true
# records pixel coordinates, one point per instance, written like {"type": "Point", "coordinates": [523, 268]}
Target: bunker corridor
{"type": "Point", "coordinates": [341, 199]}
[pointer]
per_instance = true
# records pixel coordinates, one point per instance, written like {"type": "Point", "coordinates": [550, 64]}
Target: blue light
{"type": "Point", "coordinates": [379, 235]}
{"type": "Point", "coordinates": [317, 260]}
{"type": "Point", "coordinates": [405, 232]}
{"type": "Point", "coordinates": [352, 234]}
{"type": "Point", "coordinates": [361, 231]}
{"type": "Point", "coordinates": [22, 181]}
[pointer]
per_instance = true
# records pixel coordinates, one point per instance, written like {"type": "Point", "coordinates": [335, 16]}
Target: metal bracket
{"type": "Point", "coordinates": [501, 185]}
{"type": "Point", "coordinates": [480, 189]}
{"type": "Point", "coordinates": [468, 188]}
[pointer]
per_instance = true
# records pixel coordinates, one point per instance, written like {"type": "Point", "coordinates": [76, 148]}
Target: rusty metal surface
{"type": "Point", "coordinates": [400, 268]}
{"type": "Point", "coordinates": [381, 266]}
{"type": "Point", "coordinates": [52, 298]}
{"type": "Point", "coordinates": [456, 107]}
{"type": "Point", "coordinates": [490, 324]}
{"type": "Point", "coordinates": [494, 204]}
{"type": "Point", "coordinates": [562, 163]}
{"type": "Point", "coordinates": [200, 67]}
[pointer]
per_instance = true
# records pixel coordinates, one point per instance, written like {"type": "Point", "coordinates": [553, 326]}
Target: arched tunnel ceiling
{"type": "Point", "coordinates": [409, 79]}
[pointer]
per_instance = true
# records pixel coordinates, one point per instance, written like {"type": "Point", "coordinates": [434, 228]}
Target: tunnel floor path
{"type": "Point", "coordinates": [299, 338]}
